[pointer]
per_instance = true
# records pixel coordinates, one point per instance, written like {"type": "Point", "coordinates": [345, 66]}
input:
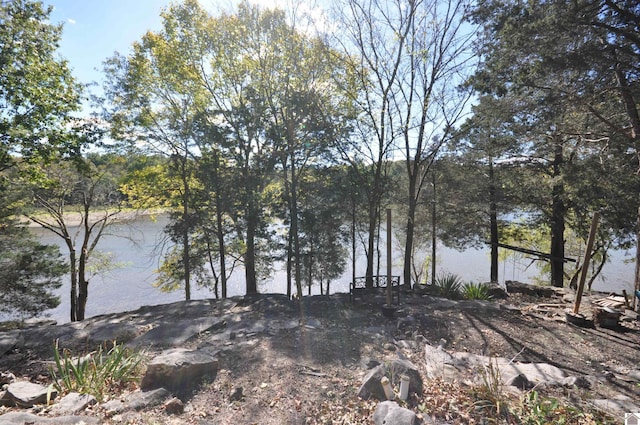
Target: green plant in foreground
{"type": "Point", "coordinates": [473, 291]}
{"type": "Point", "coordinates": [97, 373]}
{"type": "Point", "coordinates": [448, 285]}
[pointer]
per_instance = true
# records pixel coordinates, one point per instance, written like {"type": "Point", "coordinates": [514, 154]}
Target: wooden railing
{"type": "Point", "coordinates": [359, 286]}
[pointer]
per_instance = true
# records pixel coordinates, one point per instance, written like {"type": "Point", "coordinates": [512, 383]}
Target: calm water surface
{"type": "Point", "coordinates": [134, 247]}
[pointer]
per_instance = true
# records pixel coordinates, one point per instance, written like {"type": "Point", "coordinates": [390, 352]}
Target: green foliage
{"type": "Point", "coordinates": [448, 285]}
{"type": "Point", "coordinates": [31, 272]}
{"type": "Point", "coordinates": [537, 410]}
{"type": "Point", "coordinates": [99, 373]}
{"type": "Point", "coordinates": [476, 291]}
{"type": "Point", "coordinates": [37, 91]}
{"type": "Point", "coordinates": [489, 394]}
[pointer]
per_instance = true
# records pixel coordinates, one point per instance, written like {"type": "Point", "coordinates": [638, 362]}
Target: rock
{"type": "Point", "coordinates": [497, 291]}
{"type": "Point", "coordinates": [369, 363]}
{"type": "Point", "coordinates": [527, 289]}
{"type": "Point", "coordinates": [100, 333]}
{"type": "Point", "coordinates": [173, 334]}
{"type": "Point", "coordinates": [390, 347]}
{"type": "Point", "coordinates": [26, 394]}
{"type": "Point", "coordinates": [236, 394]}
{"type": "Point", "coordinates": [179, 370]}
{"type": "Point", "coordinates": [137, 401]}
{"type": "Point", "coordinates": [9, 340]}
{"type": "Point", "coordinates": [371, 386]}
{"type": "Point", "coordinates": [439, 363]}
{"type": "Point", "coordinates": [388, 413]}
{"type": "Point", "coordinates": [23, 418]}
{"type": "Point", "coordinates": [174, 406]}
{"type": "Point", "coordinates": [399, 367]}
{"type": "Point", "coordinates": [519, 381]}
{"type": "Point", "coordinates": [576, 381]}
{"type": "Point", "coordinates": [617, 406]}
{"type": "Point", "coordinates": [73, 403]}
{"type": "Point", "coordinates": [7, 378]}
{"type": "Point", "coordinates": [35, 322]}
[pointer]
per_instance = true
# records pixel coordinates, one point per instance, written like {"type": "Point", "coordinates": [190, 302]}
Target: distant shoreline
{"type": "Point", "coordinates": [74, 219]}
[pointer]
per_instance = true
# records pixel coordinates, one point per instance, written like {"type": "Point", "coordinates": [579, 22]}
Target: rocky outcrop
{"type": "Point", "coordinates": [179, 370]}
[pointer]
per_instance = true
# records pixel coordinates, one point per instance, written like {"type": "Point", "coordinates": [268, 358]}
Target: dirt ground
{"type": "Point", "coordinates": [311, 374]}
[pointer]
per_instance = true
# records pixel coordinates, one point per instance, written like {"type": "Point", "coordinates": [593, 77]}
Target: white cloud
{"type": "Point", "coordinates": [71, 21]}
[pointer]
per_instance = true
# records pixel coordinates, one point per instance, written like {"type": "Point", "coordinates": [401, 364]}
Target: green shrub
{"type": "Point", "coordinates": [476, 291]}
{"type": "Point", "coordinates": [448, 285]}
{"type": "Point", "coordinates": [98, 373]}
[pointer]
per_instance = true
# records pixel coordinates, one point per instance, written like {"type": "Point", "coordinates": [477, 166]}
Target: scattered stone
{"type": "Point", "coordinates": [137, 401]}
{"type": "Point", "coordinates": [27, 394]}
{"type": "Point", "coordinates": [236, 394]}
{"type": "Point", "coordinates": [23, 418]}
{"type": "Point", "coordinates": [399, 367]}
{"type": "Point", "coordinates": [174, 406]}
{"type": "Point", "coordinates": [73, 403]}
{"type": "Point", "coordinates": [576, 381]}
{"type": "Point", "coordinates": [389, 412]}
{"type": "Point", "coordinates": [369, 363]}
{"type": "Point", "coordinates": [7, 378]}
{"type": "Point", "coordinates": [179, 370]}
{"type": "Point", "coordinates": [390, 347]}
{"type": "Point", "coordinates": [371, 386]}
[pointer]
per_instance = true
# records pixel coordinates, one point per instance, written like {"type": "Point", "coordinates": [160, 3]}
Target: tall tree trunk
{"type": "Point", "coordinates": [186, 255]}
{"type": "Point", "coordinates": [637, 274]}
{"type": "Point", "coordinates": [74, 280]}
{"type": "Point", "coordinates": [83, 286]}
{"type": "Point", "coordinates": [294, 227]}
{"type": "Point", "coordinates": [373, 221]}
{"type": "Point", "coordinates": [434, 239]}
{"type": "Point", "coordinates": [250, 255]}
{"type": "Point", "coordinates": [411, 215]}
{"type": "Point", "coordinates": [493, 223]}
{"type": "Point", "coordinates": [221, 247]}
{"type": "Point", "coordinates": [558, 212]}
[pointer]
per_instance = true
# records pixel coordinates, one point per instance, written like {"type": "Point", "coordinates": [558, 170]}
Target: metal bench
{"type": "Point", "coordinates": [359, 287]}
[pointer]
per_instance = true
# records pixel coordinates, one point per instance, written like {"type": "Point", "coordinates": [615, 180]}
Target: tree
{"type": "Point", "coordinates": [412, 55]}
{"type": "Point", "coordinates": [77, 201]}
{"type": "Point", "coordinates": [37, 90]}
{"type": "Point", "coordinates": [550, 61]}
{"type": "Point", "coordinates": [30, 271]}
{"type": "Point", "coordinates": [155, 101]}
{"type": "Point", "coordinates": [37, 95]}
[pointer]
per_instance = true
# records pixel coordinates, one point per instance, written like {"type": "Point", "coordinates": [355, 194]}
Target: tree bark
{"type": "Point", "coordinates": [408, 247]}
{"type": "Point", "coordinates": [493, 224]}
{"type": "Point", "coordinates": [558, 211]}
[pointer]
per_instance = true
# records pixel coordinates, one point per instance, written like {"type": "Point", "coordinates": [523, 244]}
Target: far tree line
{"type": "Point", "coordinates": [266, 139]}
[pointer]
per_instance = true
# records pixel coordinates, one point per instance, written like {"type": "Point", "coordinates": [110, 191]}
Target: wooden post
{"type": "Point", "coordinates": [636, 302]}
{"type": "Point", "coordinates": [389, 282]}
{"type": "Point", "coordinates": [585, 263]}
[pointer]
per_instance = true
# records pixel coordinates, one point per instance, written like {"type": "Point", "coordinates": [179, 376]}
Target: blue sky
{"type": "Point", "coordinates": [95, 29]}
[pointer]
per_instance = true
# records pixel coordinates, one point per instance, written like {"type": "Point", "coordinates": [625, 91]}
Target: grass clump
{"type": "Point", "coordinates": [476, 291]}
{"type": "Point", "coordinates": [100, 373]}
{"type": "Point", "coordinates": [448, 285]}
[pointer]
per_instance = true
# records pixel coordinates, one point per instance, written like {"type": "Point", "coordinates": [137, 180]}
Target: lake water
{"type": "Point", "coordinates": [134, 246]}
